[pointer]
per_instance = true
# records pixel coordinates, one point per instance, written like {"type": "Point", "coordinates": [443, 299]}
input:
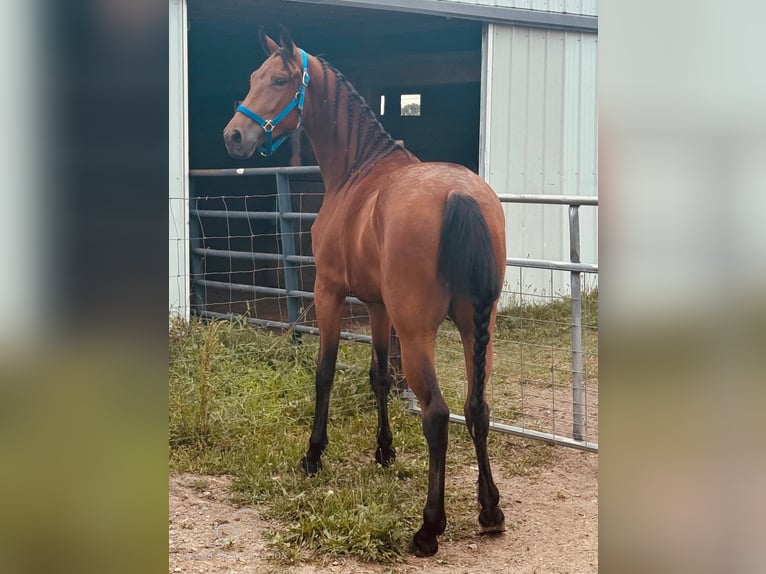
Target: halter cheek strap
{"type": "Point", "coordinates": [270, 145]}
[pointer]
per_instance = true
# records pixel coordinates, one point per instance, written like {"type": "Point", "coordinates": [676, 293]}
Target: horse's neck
{"type": "Point", "coordinates": [341, 151]}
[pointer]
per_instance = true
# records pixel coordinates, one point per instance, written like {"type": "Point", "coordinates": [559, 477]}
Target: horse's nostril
{"type": "Point", "coordinates": [236, 136]}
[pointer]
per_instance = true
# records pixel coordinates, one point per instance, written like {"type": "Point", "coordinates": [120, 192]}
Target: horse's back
{"type": "Point", "coordinates": [435, 178]}
{"type": "Point", "coordinates": [410, 205]}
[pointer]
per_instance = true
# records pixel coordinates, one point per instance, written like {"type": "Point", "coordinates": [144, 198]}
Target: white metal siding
{"type": "Point", "coordinates": [541, 138]}
{"type": "Point", "coordinates": [581, 7]}
{"type": "Point", "coordinates": [178, 178]}
{"type": "Point", "coordinates": [28, 296]}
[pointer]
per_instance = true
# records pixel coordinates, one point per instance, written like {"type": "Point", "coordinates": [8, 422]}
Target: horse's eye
{"type": "Point", "coordinates": [280, 81]}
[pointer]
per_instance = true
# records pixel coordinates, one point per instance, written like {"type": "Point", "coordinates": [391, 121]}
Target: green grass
{"type": "Point", "coordinates": [241, 403]}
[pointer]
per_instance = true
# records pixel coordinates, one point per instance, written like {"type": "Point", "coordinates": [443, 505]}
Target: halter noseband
{"type": "Point", "coordinates": [270, 146]}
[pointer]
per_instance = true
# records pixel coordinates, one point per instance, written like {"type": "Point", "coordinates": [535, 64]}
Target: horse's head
{"type": "Point", "coordinates": [273, 107]}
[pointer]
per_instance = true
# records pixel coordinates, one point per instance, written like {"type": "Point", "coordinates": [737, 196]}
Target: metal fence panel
{"type": "Point", "coordinates": [545, 382]}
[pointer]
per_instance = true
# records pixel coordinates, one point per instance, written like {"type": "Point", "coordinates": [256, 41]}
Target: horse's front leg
{"type": "Point", "coordinates": [329, 306]}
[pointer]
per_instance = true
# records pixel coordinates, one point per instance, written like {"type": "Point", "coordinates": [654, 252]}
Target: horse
{"type": "Point", "coordinates": [415, 241]}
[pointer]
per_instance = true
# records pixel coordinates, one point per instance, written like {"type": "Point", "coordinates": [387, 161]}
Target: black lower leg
{"type": "Point", "coordinates": [380, 380]}
{"type": "Point", "coordinates": [435, 420]}
{"type": "Point", "coordinates": [312, 463]}
{"type": "Point", "coordinates": [491, 518]}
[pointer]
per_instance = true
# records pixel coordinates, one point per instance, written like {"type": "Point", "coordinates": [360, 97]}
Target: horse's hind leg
{"type": "Point", "coordinates": [329, 306]}
{"type": "Point", "coordinates": [491, 518]}
{"type": "Point", "coordinates": [418, 363]}
{"type": "Point", "coordinates": [380, 379]}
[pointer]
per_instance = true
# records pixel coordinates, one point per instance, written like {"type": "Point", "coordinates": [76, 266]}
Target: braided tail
{"type": "Point", "coordinates": [481, 317]}
{"type": "Point", "coordinates": [467, 264]}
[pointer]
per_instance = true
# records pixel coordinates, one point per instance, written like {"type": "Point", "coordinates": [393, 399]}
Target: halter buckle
{"type": "Point", "coordinates": [268, 126]}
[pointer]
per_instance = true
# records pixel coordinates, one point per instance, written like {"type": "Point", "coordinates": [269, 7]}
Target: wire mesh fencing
{"type": "Point", "coordinates": [250, 259]}
{"type": "Point", "coordinates": [531, 392]}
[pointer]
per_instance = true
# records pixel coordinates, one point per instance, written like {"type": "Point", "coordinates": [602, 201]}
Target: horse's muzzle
{"type": "Point", "coordinates": [241, 143]}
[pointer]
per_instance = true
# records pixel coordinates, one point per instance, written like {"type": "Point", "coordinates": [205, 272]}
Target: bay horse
{"type": "Point", "coordinates": [415, 241]}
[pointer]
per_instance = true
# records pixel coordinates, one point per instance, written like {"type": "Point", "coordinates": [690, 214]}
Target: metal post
{"type": "Point", "coordinates": [198, 301]}
{"type": "Point", "coordinates": [287, 231]}
{"type": "Point", "coordinates": [578, 403]}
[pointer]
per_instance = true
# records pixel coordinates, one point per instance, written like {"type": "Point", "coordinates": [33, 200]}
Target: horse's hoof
{"type": "Point", "coordinates": [424, 544]}
{"type": "Point", "coordinates": [385, 457]}
{"type": "Point", "coordinates": [491, 521]}
{"type": "Point", "coordinates": [311, 467]}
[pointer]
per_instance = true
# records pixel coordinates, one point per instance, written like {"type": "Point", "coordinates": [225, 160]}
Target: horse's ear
{"type": "Point", "coordinates": [286, 40]}
{"type": "Point", "coordinates": [269, 46]}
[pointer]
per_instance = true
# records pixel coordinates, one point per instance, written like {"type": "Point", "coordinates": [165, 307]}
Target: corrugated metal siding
{"type": "Point", "coordinates": [542, 139]}
{"type": "Point", "coordinates": [583, 7]}
{"type": "Point", "coordinates": [178, 254]}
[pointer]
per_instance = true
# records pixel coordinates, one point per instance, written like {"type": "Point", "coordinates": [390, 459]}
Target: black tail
{"type": "Point", "coordinates": [467, 264]}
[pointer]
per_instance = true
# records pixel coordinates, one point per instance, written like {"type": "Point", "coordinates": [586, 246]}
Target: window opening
{"type": "Point", "coordinates": [410, 104]}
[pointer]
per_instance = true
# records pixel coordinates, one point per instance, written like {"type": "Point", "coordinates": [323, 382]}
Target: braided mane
{"type": "Point", "coordinates": [372, 141]}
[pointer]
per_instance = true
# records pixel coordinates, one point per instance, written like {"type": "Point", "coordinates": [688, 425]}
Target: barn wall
{"type": "Point", "coordinates": [582, 7]}
{"type": "Point", "coordinates": [537, 114]}
{"type": "Point", "coordinates": [541, 138]}
{"type": "Point", "coordinates": [178, 257]}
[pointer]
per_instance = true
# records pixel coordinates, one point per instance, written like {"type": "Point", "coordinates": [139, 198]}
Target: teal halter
{"type": "Point", "coordinates": [270, 146]}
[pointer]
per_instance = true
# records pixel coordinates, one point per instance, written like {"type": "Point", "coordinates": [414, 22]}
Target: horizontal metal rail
{"type": "Point", "coordinates": [254, 255]}
{"type": "Point", "coordinates": [292, 170]}
{"type": "Point", "coordinates": [273, 291]}
{"type": "Point", "coordinates": [529, 199]}
{"type": "Point", "coordinates": [551, 265]}
{"type": "Point", "coordinates": [550, 199]}
{"type": "Point", "coordinates": [300, 259]}
{"type": "Point", "coordinates": [514, 430]}
{"type": "Point", "coordinates": [254, 215]}
{"type": "Point", "coordinates": [298, 328]}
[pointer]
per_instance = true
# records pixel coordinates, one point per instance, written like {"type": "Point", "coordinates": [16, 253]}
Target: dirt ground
{"type": "Point", "coordinates": [552, 520]}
